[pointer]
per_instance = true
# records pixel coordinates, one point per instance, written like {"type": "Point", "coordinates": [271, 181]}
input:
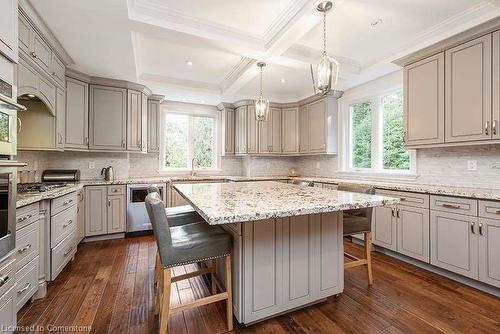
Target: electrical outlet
{"type": "Point", "coordinates": [472, 165]}
{"type": "Point", "coordinates": [91, 165]}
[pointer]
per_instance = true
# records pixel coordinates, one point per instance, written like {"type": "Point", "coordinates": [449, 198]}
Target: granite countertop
{"type": "Point", "coordinates": [222, 203]}
{"type": "Point", "coordinates": [32, 197]}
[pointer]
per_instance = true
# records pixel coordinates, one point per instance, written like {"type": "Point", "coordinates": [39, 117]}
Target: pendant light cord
{"type": "Point", "coordinates": [324, 33]}
{"type": "Point", "coordinates": [261, 81]}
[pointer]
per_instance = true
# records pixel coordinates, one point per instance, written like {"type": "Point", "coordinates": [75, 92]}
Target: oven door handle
{"type": "Point", "coordinates": [12, 103]}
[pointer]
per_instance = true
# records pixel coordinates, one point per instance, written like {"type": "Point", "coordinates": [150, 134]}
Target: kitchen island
{"type": "Point", "coordinates": [288, 249]}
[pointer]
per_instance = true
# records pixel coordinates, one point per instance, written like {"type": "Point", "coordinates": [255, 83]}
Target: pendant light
{"type": "Point", "coordinates": [328, 68]}
{"type": "Point", "coordinates": [262, 104]}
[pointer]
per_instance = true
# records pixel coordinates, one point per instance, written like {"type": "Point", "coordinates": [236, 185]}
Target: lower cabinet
{"type": "Point", "coordinates": [384, 227]}
{"type": "Point", "coordinates": [177, 199]}
{"type": "Point", "coordinates": [489, 251]}
{"type": "Point", "coordinates": [413, 232]}
{"type": "Point", "coordinates": [8, 297]}
{"type": "Point", "coordinates": [104, 214]}
{"type": "Point", "coordinates": [80, 216]}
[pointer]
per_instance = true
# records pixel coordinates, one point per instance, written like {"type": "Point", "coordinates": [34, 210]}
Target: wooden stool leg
{"type": "Point", "coordinates": [165, 299]}
{"type": "Point", "coordinates": [214, 284]}
{"type": "Point", "coordinates": [158, 268]}
{"type": "Point", "coordinates": [368, 251]}
{"type": "Point", "coordinates": [229, 289]}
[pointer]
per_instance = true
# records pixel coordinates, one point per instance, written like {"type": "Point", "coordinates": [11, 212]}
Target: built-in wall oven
{"type": "Point", "coordinates": [137, 216]}
{"type": "Point", "coordinates": [8, 121]}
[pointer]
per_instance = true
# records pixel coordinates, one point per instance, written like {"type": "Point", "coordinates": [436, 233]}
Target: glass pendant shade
{"type": "Point", "coordinates": [328, 73]}
{"type": "Point", "coordinates": [261, 109]}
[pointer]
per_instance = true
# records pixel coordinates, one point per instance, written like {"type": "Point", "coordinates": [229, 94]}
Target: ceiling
{"type": "Point", "coordinates": [205, 51]}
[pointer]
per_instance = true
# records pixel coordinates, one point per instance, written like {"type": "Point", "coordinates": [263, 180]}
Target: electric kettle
{"type": "Point", "coordinates": [109, 173]}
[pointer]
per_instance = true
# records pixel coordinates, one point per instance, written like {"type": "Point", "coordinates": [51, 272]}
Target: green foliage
{"type": "Point", "coordinates": [176, 141]}
{"type": "Point", "coordinates": [203, 128]}
{"type": "Point", "coordinates": [362, 135]}
{"type": "Point", "coordinates": [395, 156]}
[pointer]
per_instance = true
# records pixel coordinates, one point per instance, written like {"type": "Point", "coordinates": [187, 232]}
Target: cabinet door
{"type": "Point", "coordinates": [241, 130]}
{"type": "Point", "coordinates": [144, 123]}
{"type": "Point", "coordinates": [57, 69]}
{"type": "Point", "coordinates": [489, 251]}
{"type": "Point", "coordinates": [117, 207]}
{"type": "Point", "coordinates": [60, 118]}
{"type": "Point", "coordinates": [41, 53]}
{"type": "Point", "coordinates": [274, 130]}
{"type": "Point", "coordinates": [303, 130]}
{"type": "Point", "coordinates": [134, 119]}
{"type": "Point", "coordinates": [413, 232]}
{"type": "Point", "coordinates": [252, 135]}
{"type": "Point", "coordinates": [228, 126]}
{"type": "Point", "coordinates": [424, 101]}
{"type": "Point", "coordinates": [468, 91]}
{"type": "Point", "coordinates": [264, 140]}
{"type": "Point", "coordinates": [153, 126]}
{"type": "Point", "coordinates": [317, 126]}
{"type": "Point", "coordinates": [290, 130]}
{"type": "Point", "coordinates": [8, 310]}
{"type": "Point", "coordinates": [80, 217]}
{"type": "Point", "coordinates": [495, 127]}
{"type": "Point", "coordinates": [8, 29]}
{"type": "Point", "coordinates": [108, 118]}
{"type": "Point", "coordinates": [96, 213]}
{"type": "Point", "coordinates": [454, 243]}
{"type": "Point", "coordinates": [384, 227]}
{"type": "Point", "coordinates": [77, 114]}
{"type": "Point", "coordinates": [24, 31]}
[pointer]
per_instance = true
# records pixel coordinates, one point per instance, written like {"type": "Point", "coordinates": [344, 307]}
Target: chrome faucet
{"type": "Point", "coordinates": [193, 173]}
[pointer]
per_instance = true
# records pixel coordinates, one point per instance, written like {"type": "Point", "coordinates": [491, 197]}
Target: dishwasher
{"type": "Point", "coordinates": [137, 216]}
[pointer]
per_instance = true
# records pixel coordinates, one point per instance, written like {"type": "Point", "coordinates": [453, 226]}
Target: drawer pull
{"type": "Point", "coordinates": [3, 280]}
{"type": "Point", "coordinates": [69, 223]}
{"type": "Point", "coordinates": [26, 287]}
{"type": "Point", "coordinates": [24, 218]}
{"type": "Point", "coordinates": [402, 199]}
{"type": "Point", "coordinates": [480, 228]}
{"type": "Point", "coordinates": [451, 206]}
{"type": "Point", "coordinates": [472, 228]}
{"type": "Point", "coordinates": [68, 251]}
{"type": "Point", "coordinates": [67, 202]}
{"type": "Point", "coordinates": [24, 249]}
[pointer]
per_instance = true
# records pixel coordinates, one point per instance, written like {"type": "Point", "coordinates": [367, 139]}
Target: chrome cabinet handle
{"type": "Point", "coordinates": [24, 249]}
{"type": "Point", "coordinates": [87, 140]}
{"type": "Point", "coordinates": [123, 143]}
{"type": "Point", "coordinates": [450, 206]}
{"type": "Point", "coordinates": [19, 125]}
{"type": "Point", "coordinates": [68, 251]}
{"type": "Point", "coordinates": [109, 202]}
{"type": "Point", "coordinates": [402, 199]}
{"type": "Point", "coordinates": [33, 54]}
{"type": "Point", "coordinates": [69, 223]}
{"type": "Point", "coordinates": [472, 228]}
{"type": "Point", "coordinates": [487, 127]}
{"type": "Point", "coordinates": [60, 137]}
{"type": "Point", "coordinates": [67, 202]}
{"type": "Point", "coordinates": [24, 218]}
{"type": "Point", "coordinates": [397, 213]}
{"type": "Point", "coordinates": [494, 127]}
{"type": "Point", "coordinates": [3, 280]}
{"type": "Point", "coordinates": [392, 212]}
{"type": "Point", "coordinates": [26, 287]}
{"type": "Point", "coordinates": [480, 228]}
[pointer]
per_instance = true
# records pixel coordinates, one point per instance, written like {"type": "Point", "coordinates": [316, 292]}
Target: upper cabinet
{"type": "Point", "coordinates": [252, 131]}
{"type": "Point", "coordinates": [290, 130]}
{"type": "Point", "coordinates": [134, 121]}
{"type": "Point", "coordinates": [424, 101]}
{"type": "Point", "coordinates": [77, 114]}
{"type": "Point", "coordinates": [227, 126]}
{"type": "Point", "coordinates": [153, 125]}
{"type": "Point", "coordinates": [468, 91]}
{"type": "Point", "coordinates": [8, 29]}
{"type": "Point", "coordinates": [453, 96]}
{"type": "Point", "coordinates": [269, 133]}
{"type": "Point", "coordinates": [240, 130]}
{"type": "Point", "coordinates": [318, 127]}
{"type": "Point", "coordinates": [107, 118]}
{"type": "Point", "coordinates": [303, 130]}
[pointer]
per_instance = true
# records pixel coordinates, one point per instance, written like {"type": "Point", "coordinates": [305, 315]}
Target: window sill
{"type": "Point", "coordinates": [377, 176]}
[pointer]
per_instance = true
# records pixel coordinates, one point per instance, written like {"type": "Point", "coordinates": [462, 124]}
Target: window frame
{"type": "Point", "coordinates": [377, 150]}
{"type": "Point", "coordinates": [190, 110]}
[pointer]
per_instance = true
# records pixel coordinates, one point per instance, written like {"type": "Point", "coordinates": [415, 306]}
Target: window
{"type": "Point", "coordinates": [375, 135]}
{"type": "Point", "coordinates": [189, 139]}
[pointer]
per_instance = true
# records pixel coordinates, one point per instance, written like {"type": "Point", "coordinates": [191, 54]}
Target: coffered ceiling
{"type": "Point", "coordinates": [205, 51]}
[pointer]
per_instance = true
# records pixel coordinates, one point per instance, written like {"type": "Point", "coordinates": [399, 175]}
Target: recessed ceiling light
{"type": "Point", "coordinates": [189, 63]}
{"type": "Point", "coordinates": [31, 96]}
{"type": "Point", "coordinates": [283, 80]}
{"type": "Point", "coordinates": [376, 22]}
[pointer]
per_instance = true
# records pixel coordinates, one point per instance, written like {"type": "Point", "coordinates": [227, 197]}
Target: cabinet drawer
{"type": "Point", "coordinates": [62, 224]}
{"type": "Point", "coordinates": [489, 209]}
{"type": "Point", "coordinates": [61, 254]}
{"type": "Point", "coordinates": [464, 206]}
{"type": "Point", "coordinates": [27, 282]}
{"type": "Point", "coordinates": [116, 190]}
{"type": "Point", "coordinates": [27, 215]}
{"type": "Point", "coordinates": [26, 244]}
{"type": "Point", "coordinates": [7, 275]}
{"type": "Point", "coordinates": [407, 198]}
{"type": "Point", "coordinates": [8, 310]}
{"type": "Point", "coordinates": [59, 204]}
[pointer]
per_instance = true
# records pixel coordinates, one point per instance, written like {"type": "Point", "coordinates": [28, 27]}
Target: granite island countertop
{"type": "Point", "coordinates": [222, 203]}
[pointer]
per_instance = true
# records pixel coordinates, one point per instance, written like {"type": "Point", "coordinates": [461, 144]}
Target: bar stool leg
{"type": "Point", "coordinates": [368, 251]}
{"type": "Point", "coordinates": [165, 299]}
{"type": "Point", "coordinates": [213, 264]}
{"type": "Point", "coordinates": [229, 289]}
{"type": "Point", "coordinates": [158, 268]}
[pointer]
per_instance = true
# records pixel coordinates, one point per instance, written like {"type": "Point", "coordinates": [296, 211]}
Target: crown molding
{"type": "Point", "coordinates": [236, 72]}
{"type": "Point", "coordinates": [191, 85]}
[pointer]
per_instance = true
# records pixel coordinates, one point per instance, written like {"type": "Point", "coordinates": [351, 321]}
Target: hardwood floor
{"type": "Point", "coordinates": [109, 288]}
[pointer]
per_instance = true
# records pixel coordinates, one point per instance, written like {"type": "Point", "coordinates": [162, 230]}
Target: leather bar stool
{"type": "Point", "coordinates": [185, 244]}
{"type": "Point", "coordinates": [178, 215]}
{"type": "Point", "coordinates": [359, 221]}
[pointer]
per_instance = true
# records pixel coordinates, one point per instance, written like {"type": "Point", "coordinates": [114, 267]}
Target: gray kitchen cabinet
{"type": "Point", "coordinates": [252, 131]}
{"type": "Point", "coordinates": [117, 208]}
{"type": "Point", "coordinates": [228, 128]}
{"type": "Point", "coordinates": [134, 120]}
{"type": "Point", "coordinates": [24, 33]}
{"type": "Point", "coordinates": [303, 129]}
{"type": "Point", "coordinates": [41, 52]}
{"type": "Point", "coordinates": [269, 132]}
{"type": "Point", "coordinates": [60, 118]}
{"type": "Point", "coordinates": [424, 101]}
{"type": "Point", "coordinates": [77, 115]}
{"type": "Point", "coordinates": [8, 296]}
{"type": "Point", "coordinates": [489, 251]}
{"type": "Point", "coordinates": [30, 81]}
{"type": "Point", "coordinates": [413, 232]}
{"type": "Point", "coordinates": [468, 95]}
{"type": "Point", "coordinates": [107, 118]}
{"type": "Point", "coordinates": [454, 242]}
{"type": "Point", "coordinates": [495, 126]}
{"type": "Point", "coordinates": [57, 70]}
{"type": "Point", "coordinates": [96, 212]}
{"type": "Point", "coordinates": [144, 123]}
{"type": "Point", "coordinates": [317, 126]}
{"type": "Point", "coordinates": [80, 216]}
{"type": "Point", "coordinates": [9, 29]}
{"type": "Point", "coordinates": [240, 130]}
{"type": "Point", "coordinates": [290, 130]}
{"type": "Point", "coordinates": [154, 120]}
{"type": "Point", "coordinates": [384, 227]}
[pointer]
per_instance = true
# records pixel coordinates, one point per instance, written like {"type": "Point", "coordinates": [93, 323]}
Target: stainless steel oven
{"type": "Point", "coordinates": [8, 121]}
{"type": "Point", "coordinates": [8, 194]}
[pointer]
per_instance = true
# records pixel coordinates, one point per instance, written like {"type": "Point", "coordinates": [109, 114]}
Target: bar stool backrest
{"type": "Point", "coordinates": [156, 212]}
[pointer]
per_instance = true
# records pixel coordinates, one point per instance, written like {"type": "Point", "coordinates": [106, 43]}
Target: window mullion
{"type": "Point", "coordinates": [190, 154]}
{"type": "Point", "coordinates": [377, 135]}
